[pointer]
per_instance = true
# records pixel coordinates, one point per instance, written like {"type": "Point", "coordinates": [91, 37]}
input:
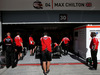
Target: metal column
{"type": "Point", "coordinates": [0, 30]}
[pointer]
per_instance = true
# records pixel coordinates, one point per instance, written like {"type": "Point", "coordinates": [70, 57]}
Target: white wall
{"type": "Point", "coordinates": [80, 42]}
{"type": "Point", "coordinates": [76, 42]}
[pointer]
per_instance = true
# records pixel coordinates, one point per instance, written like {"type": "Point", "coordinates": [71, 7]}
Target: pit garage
{"type": "Point", "coordinates": [57, 23]}
{"type": "Point", "coordinates": [56, 31]}
{"type": "Point", "coordinates": [74, 19]}
{"type": "Point", "coordinates": [27, 22]}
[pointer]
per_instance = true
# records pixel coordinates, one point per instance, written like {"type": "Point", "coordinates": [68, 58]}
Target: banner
{"type": "Point", "coordinates": [9, 5]}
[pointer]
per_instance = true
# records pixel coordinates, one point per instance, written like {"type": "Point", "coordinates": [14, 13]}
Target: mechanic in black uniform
{"type": "Point", "coordinates": [8, 42]}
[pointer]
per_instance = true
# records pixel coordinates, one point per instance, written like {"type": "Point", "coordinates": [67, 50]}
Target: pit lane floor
{"type": "Point", "coordinates": [70, 58]}
{"type": "Point", "coordinates": [66, 65]}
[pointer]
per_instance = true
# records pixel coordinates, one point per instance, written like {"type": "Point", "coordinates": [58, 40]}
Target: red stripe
{"type": "Point", "coordinates": [52, 4]}
{"type": "Point", "coordinates": [66, 63]}
{"type": "Point", "coordinates": [87, 27]}
{"type": "Point", "coordinates": [51, 64]}
{"type": "Point", "coordinates": [80, 28]}
{"type": "Point", "coordinates": [92, 26]}
{"type": "Point", "coordinates": [28, 64]}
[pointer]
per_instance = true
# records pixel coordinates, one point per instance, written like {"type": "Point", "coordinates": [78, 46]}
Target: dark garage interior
{"type": "Point", "coordinates": [56, 31]}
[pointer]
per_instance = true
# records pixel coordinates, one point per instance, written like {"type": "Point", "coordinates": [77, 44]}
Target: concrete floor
{"type": "Point", "coordinates": [54, 70]}
{"type": "Point", "coordinates": [59, 69]}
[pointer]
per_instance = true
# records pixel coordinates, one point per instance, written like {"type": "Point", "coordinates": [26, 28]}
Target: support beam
{"type": "Point", "coordinates": [0, 30]}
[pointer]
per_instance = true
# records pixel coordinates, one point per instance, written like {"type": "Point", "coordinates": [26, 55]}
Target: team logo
{"type": "Point", "coordinates": [45, 38]}
{"type": "Point", "coordinates": [38, 4]}
{"type": "Point", "coordinates": [8, 40]}
{"type": "Point", "coordinates": [88, 4]}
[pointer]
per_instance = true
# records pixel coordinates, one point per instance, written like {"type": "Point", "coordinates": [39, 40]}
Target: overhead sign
{"type": "Point", "coordinates": [6, 5]}
{"type": "Point", "coordinates": [63, 17]}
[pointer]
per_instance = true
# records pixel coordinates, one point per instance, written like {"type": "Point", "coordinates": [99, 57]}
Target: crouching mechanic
{"type": "Point", "coordinates": [55, 47]}
{"type": "Point", "coordinates": [8, 42]}
{"type": "Point", "coordinates": [65, 43]}
{"type": "Point", "coordinates": [46, 52]}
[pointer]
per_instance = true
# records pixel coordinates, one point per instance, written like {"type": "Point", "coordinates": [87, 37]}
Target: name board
{"type": "Point", "coordinates": [6, 5]}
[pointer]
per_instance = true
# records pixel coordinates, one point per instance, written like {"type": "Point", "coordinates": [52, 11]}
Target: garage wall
{"type": "Point", "coordinates": [80, 41]}
{"type": "Point", "coordinates": [0, 30]}
{"type": "Point", "coordinates": [50, 16]}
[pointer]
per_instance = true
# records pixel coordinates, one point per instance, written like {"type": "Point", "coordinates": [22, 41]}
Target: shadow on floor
{"type": "Point", "coordinates": [80, 59]}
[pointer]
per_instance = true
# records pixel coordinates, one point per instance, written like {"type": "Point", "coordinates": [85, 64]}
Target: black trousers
{"type": "Point", "coordinates": [65, 47]}
{"type": "Point", "coordinates": [16, 57]}
{"type": "Point", "coordinates": [9, 56]}
{"type": "Point", "coordinates": [46, 56]}
{"type": "Point", "coordinates": [94, 58]}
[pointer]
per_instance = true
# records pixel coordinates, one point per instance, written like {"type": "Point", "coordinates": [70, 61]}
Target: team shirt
{"type": "Point", "coordinates": [94, 41]}
{"type": "Point", "coordinates": [31, 41]}
{"type": "Point", "coordinates": [8, 39]}
{"type": "Point", "coordinates": [46, 43]}
{"type": "Point", "coordinates": [18, 41]}
{"type": "Point", "coordinates": [55, 44]}
{"type": "Point", "coordinates": [65, 40]}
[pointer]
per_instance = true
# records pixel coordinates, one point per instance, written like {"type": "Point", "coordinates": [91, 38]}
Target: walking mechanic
{"type": "Point", "coordinates": [19, 46]}
{"type": "Point", "coordinates": [31, 45]}
{"type": "Point", "coordinates": [46, 52]}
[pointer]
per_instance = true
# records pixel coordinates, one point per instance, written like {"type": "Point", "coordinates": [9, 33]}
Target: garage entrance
{"type": "Point", "coordinates": [56, 31]}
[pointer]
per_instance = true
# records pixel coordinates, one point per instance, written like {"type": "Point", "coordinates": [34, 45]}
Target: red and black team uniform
{"type": "Point", "coordinates": [31, 43]}
{"type": "Point", "coordinates": [46, 48]}
{"type": "Point", "coordinates": [55, 45]}
{"type": "Point", "coordinates": [95, 42]}
{"type": "Point", "coordinates": [65, 41]}
{"type": "Point", "coordinates": [8, 41]}
{"type": "Point", "coordinates": [18, 41]}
